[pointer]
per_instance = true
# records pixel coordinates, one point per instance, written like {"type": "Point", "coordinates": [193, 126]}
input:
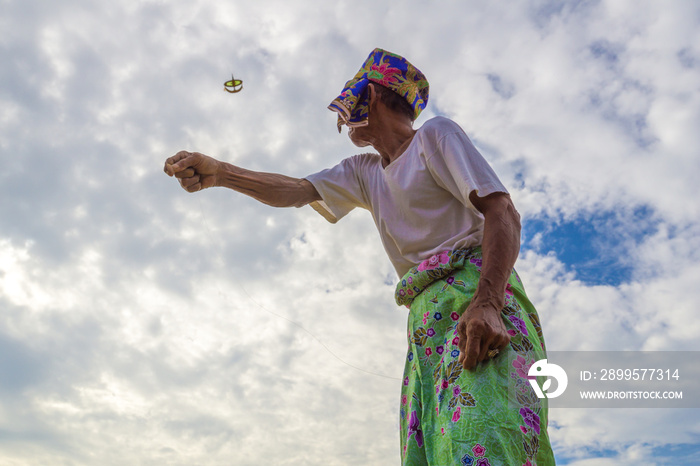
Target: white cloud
{"type": "Point", "coordinates": [145, 325]}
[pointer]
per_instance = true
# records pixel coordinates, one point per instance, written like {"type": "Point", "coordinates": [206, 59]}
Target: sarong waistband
{"type": "Point", "coordinates": [430, 270]}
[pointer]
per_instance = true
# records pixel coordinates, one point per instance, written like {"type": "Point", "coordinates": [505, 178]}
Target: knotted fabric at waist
{"type": "Point", "coordinates": [436, 267]}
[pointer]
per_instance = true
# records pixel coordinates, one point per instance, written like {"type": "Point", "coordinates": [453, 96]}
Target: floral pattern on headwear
{"type": "Point", "coordinates": [389, 70]}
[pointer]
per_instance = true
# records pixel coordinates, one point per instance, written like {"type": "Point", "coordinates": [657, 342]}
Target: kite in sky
{"type": "Point", "coordinates": [233, 86]}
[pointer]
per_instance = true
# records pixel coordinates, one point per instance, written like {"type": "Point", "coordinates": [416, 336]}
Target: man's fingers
{"type": "Point", "coordinates": [504, 342]}
{"type": "Point", "coordinates": [186, 173]}
{"type": "Point", "coordinates": [471, 355]}
{"type": "Point", "coordinates": [191, 184]}
{"type": "Point", "coordinates": [184, 164]}
{"type": "Point", "coordinates": [194, 188]}
{"type": "Point", "coordinates": [175, 158]}
{"type": "Point", "coordinates": [476, 339]}
{"type": "Point", "coordinates": [178, 162]}
{"type": "Point", "coordinates": [486, 347]}
{"type": "Point", "coordinates": [462, 344]}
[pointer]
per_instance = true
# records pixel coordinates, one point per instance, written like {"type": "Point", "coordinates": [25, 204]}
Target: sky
{"type": "Point", "coordinates": [140, 324]}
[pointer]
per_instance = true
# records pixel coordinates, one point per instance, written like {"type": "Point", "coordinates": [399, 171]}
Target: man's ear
{"type": "Point", "coordinates": [373, 96]}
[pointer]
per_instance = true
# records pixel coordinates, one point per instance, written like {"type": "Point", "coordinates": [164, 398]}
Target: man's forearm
{"type": "Point", "coordinates": [500, 248]}
{"type": "Point", "coordinates": [269, 188]}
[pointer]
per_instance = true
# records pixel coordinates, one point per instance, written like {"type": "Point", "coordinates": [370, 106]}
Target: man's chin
{"type": "Point", "coordinates": [358, 142]}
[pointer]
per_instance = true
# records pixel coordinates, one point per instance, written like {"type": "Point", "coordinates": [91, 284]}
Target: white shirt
{"type": "Point", "coordinates": [420, 201]}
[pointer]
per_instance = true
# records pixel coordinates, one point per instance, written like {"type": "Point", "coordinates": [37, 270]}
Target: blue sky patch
{"type": "Point", "coordinates": [683, 454]}
{"type": "Point", "coordinates": [603, 453]}
{"type": "Point", "coordinates": [594, 246]}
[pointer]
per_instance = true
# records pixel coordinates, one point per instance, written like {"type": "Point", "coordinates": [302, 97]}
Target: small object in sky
{"type": "Point", "coordinates": [233, 86]}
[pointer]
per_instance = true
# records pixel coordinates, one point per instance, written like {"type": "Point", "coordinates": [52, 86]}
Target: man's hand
{"type": "Point", "coordinates": [480, 329]}
{"type": "Point", "coordinates": [194, 170]}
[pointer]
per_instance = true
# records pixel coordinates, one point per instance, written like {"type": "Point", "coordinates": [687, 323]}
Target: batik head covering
{"type": "Point", "coordinates": [391, 71]}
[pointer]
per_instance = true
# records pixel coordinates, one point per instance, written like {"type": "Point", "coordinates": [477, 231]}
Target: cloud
{"type": "Point", "coordinates": [141, 324]}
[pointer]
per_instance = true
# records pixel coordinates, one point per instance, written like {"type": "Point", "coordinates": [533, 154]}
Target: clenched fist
{"type": "Point", "coordinates": [194, 170]}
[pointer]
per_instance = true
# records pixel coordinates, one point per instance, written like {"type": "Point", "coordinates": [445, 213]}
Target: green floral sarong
{"type": "Point", "coordinates": [450, 416]}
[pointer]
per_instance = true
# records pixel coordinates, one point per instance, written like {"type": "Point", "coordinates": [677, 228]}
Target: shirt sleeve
{"type": "Point", "coordinates": [457, 166]}
{"type": "Point", "coordinates": [340, 188]}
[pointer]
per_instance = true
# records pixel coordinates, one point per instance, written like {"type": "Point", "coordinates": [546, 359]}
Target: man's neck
{"type": "Point", "coordinates": [393, 140]}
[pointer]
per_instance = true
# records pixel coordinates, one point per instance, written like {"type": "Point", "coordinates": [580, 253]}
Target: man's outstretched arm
{"type": "Point", "coordinates": [198, 171]}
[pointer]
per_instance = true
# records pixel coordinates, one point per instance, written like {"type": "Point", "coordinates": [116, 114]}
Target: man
{"type": "Point", "coordinates": [453, 235]}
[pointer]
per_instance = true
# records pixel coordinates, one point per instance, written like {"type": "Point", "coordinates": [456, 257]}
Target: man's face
{"type": "Point", "coordinates": [360, 135]}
